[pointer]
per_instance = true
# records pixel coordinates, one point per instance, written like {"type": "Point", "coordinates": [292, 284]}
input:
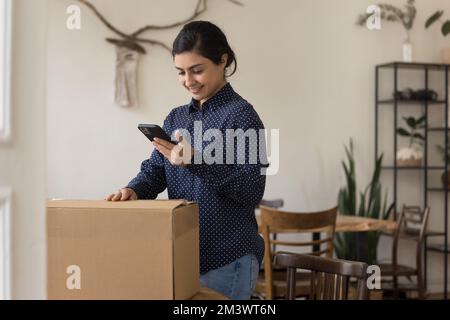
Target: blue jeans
{"type": "Point", "coordinates": [235, 280]}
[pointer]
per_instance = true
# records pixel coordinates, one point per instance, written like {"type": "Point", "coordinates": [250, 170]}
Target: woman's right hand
{"type": "Point", "coordinates": [122, 195]}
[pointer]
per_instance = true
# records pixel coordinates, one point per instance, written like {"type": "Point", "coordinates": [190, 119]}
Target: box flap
{"type": "Point", "coordinates": [133, 204]}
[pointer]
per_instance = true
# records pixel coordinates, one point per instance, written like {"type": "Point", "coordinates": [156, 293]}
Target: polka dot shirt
{"type": "Point", "coordinates": [227, 194]}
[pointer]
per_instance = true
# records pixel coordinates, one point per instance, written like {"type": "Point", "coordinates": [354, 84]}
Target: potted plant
{"type": "Point", "coordinates": [356, 245]}
{"type": "Point", "coordinates": [445, 30]}
{"type": "Point", "coordinates": [446, 158]}
{"type": "Point", "coordinates": [411, 155]}
{"type": "Point", "coordinates": [394, 14]}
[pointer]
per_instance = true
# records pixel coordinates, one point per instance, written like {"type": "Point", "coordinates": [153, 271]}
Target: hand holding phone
{"type": "Point", "coordinates": [152, 131]}
{"type": "Point", "coordinates": [178, 152]}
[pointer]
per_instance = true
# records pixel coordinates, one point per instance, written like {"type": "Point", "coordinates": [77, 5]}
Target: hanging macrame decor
{"type": "Point", "coordinates": [126, 77]}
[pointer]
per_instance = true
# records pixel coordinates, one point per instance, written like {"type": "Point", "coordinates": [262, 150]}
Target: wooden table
{"type": "Point", "coordinates": [361, 224]}
{"type": "Point", "coordinates": [356, 224]}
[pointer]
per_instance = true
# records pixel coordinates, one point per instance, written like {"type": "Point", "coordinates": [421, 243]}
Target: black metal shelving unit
{"type": "Point", "coordinates": [396, 67]}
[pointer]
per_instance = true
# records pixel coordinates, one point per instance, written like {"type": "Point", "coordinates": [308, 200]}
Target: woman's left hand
{"type": "Point", "coordinates": [178, 154]}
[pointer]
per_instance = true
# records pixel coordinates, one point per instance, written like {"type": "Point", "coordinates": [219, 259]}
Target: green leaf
{"type": "Point", "coordinates": [347, 195]}
{"type": "Point", "coordinates": [433, 18]}
{"type": "Point", "coordinates": [410, 121]}
{"type": "Point", "coordinates": [446, 28]}
{"type": "Point", "coordinates": [341, 202]}
{"type": "Point", "coordinates": [388, 211]}
{"type": "Point", "coordinates": [374, 210]}
{"type": "Point", "coordinates": [373, 207]}
{"type": "Point", "coordinates": [440, 149]}
{"type": "Point", "coordinates": [421, 120]}
{"type": "Point", "coordinates": [362, 204]}
{"type": "Point", "coordinates": [403, 132]}
{"type": "Point", "coordinates": [419, 136]}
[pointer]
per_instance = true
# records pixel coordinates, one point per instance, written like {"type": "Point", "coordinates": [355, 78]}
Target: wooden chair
{"type": "Point", "coordinates": [330, 278]}
{"type": "Point", "coordinates": [411, 225]}
{"type": "Point", "coordinates": [275, 204]}
{"type": "Point", "coordinates": [271, 283]}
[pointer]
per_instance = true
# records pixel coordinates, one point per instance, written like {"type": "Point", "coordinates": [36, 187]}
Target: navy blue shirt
{"type": "Point", "coordinates": [227, 193]}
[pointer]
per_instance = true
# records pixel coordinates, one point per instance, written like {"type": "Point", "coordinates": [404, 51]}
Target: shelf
{"type": "Point", "coordinates": [434, 234]}
{"type": "Point", "coordinates": [385, 100]}
{"type": "Point", "coordinates": [438, 248]}
{"type": "Point", "coordinates": [413, 102]}
{"type": "Point", "coordinates": [415, 66]}
{"type": "Point", "coordinates": [412, 168]}
{"type": "Point", "coordinates": [438, 189]}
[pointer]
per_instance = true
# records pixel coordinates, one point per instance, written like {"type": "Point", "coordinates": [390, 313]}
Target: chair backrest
{"type": "Point", "coordinates": [411, 224]}
{"type": "Point", "coordinates": [275, 204]}
{"type": "Point", "coordinates": [277, 221]}
{"type": "Point", "coordinates": [330, 278]}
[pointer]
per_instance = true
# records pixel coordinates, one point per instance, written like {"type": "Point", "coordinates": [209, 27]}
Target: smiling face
{"type": "Point", "coordinates": [199, 75]}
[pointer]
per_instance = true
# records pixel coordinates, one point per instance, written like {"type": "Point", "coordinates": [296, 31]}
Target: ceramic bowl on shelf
{"type": "Point", "coordinates": [409, 157]}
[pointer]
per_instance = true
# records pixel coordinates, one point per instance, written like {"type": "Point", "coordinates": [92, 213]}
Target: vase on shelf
{"type": "Point", "coordinates": [407, 48]}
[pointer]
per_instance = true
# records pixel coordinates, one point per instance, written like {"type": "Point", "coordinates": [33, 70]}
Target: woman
{"type": "Point", "coordinates": [231, 250]}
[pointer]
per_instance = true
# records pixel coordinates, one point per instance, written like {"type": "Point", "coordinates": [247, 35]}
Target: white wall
{"type": "Point", "coordinates": [23, 160]}
{"type": "Point", "coordinates": [304, 65]}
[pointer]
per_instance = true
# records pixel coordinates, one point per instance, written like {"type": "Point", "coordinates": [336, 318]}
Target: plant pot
{"type": "Point", "coordinates": [409, 157]}
{"type": "Point", "coordinates": [445, 55]}
{"type": "Point", "coordinates": [445, 178]}
{"type": "Point", "coordinates": [409, 162]}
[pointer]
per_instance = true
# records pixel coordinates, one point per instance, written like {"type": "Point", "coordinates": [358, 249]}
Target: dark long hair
{"type": "Point", "coordinates": [206, 39]}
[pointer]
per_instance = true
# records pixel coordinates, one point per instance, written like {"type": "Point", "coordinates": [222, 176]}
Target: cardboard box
{"type": "Point", "coordinates": [122, 250]}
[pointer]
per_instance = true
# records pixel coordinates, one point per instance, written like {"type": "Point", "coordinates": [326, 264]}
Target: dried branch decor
{"type": "Point", "coordinates": [129, 47]}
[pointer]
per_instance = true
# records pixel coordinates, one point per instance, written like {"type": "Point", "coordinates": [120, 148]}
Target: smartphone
{"type": "Point", "coordinates": [152, 131]}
